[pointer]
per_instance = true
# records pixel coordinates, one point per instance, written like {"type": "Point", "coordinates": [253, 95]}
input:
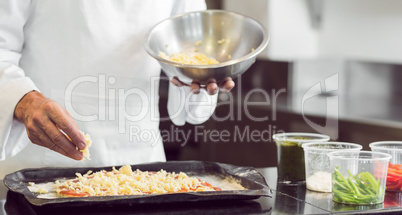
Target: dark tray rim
{"type": "Point", "coordinates": [249, 177]}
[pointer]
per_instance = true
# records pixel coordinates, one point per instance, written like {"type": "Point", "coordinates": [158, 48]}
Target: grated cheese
{"type": "Point", "coordinates": [189, 58]}
{"type": "Point", "coordinates": [221, 41]}
{"type": "Point", "coordinates": [38, 188]}
{"type": "Point", "coordinates": [127, 182]}
{"type": "Point", "coordinates": [88, 142]}
{"type": "Point", "coordinates": [42, 191]}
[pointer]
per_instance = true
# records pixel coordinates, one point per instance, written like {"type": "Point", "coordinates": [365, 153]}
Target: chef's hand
{"type": "Point", "coordinates": [212, 87]}
{"type": "Point", "coordinates": [43, 119]}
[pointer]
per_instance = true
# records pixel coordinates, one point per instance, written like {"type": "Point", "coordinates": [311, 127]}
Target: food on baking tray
{"type": "Point", "coordinates": [189, 58]}
{"type": "Point", "coordinates": [124, 181]}
{"type": "Point", "coordinates": [39, 189]}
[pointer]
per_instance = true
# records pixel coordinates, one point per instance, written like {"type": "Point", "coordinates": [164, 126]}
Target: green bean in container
{"type": "Point", "coordinates": [360, 189]}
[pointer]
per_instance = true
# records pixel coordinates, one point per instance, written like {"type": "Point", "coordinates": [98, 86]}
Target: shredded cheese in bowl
{"type": "Point", "coordinates": [189, 58]}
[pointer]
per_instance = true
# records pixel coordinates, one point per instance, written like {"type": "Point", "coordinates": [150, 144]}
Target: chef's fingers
{"type": "Point", "coordinates": [50, 118]}
{"type": "Point", "coordinates": [195, 87]}
{"type": "Point", "coordinates": [212, 86]}
{"type": "Point", "coordinates": [65, 122]}
{"type": "Point", "coordinates": [41, 114]}
{"type": "Point", "coordinates": [59, 141]}
{"type": "Point", "coordinates": [175, 81]}
{"type": "Point", "coordinates": [38, 137]}
{"type": "Point", "coordinates": [227, 85]}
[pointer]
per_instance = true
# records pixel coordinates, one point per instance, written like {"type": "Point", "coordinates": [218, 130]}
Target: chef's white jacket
{"type": "Point", "coordinates": [88, 56]}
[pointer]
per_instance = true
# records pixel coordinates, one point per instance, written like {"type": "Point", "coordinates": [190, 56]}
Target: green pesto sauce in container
{"type": "Point", "coordinates": [291, 165]}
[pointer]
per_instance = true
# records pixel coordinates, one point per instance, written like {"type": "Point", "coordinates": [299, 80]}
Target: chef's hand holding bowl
{"type": "Point", "coordinates": [232, 39]}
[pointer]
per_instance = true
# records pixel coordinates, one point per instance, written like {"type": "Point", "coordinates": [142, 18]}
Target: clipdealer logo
{"type": "Point", "coordinates": [114, 105]}
{"type": "Point", "coordinates": [327, 89]}
{"type": "Point", "coordinates": [200, 133]}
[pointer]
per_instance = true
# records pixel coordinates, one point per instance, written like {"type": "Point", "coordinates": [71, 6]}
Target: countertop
{"type": "Point", "coordinates": [285, 200]}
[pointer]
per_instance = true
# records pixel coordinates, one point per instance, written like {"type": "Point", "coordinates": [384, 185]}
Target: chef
{"type": "Point", "coordinates": [70, 66]}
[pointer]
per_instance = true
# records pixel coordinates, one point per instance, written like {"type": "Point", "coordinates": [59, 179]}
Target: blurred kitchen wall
{"type": "Point", "coordinates": [359, 41]}
{"type": "Point", "coordinates": [367, 30]}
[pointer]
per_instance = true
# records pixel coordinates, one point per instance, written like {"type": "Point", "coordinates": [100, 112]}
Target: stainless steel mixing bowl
{"type": "Point", "coordinates": [244, 38]}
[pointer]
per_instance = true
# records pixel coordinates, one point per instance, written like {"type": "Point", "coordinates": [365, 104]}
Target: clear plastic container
{"type": "Point", "coordinates": [318, 173]}
{"type": "Point", "coordinates": [394, 148]}
{"type": "Point", "coordinates": [291, 167]}
{"type": "Point", "coordinates": [358, 178]}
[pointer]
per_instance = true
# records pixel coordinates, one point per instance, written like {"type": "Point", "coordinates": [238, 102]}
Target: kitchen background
{"type": "Point", "coordinates": [332, 67]}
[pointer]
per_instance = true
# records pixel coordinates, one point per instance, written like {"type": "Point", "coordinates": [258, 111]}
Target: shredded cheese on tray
{"type": "Point", "coordinates": [127, 182]}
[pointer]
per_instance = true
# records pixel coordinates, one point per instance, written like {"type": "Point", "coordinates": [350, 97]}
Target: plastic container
{"type": "Point", "coordinates": [394, 148]}
{"type": "Point", "coordinates": [291, 166]}
{"type": "Point", "coordinates": [358, 178]}
{"type": "Point", "coordinates": [318, 173]}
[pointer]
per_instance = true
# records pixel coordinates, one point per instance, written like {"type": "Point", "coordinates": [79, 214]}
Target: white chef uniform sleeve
{"type": "Point", "coordinates": [184, 106]}
{"type": "Point", "coordinates": [13, 83]}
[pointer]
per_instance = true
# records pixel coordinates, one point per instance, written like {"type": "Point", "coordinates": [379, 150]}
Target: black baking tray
{"type": "Point", "coordinates": [248, 177]}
